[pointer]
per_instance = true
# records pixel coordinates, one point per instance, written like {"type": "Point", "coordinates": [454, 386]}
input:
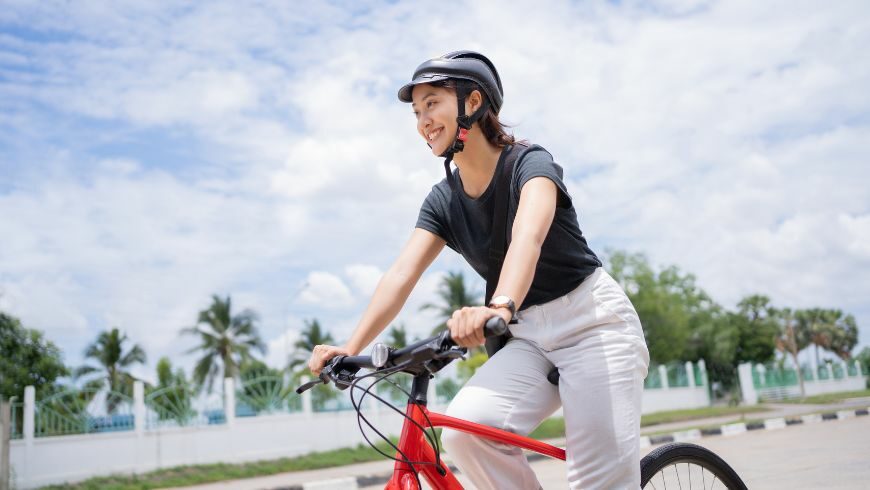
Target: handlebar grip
{"type": "Point", "coordinates": [494, 327]}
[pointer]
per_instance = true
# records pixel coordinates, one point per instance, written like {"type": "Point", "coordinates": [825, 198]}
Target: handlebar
{"type": "Point", "coordinates": [430, 355]}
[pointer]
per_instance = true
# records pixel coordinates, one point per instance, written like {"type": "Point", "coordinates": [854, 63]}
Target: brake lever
{"type": "Point", "coordinates": [341, 378]}
{"type": "Point", "coordinates": [454, 353]}
{"type": "Point", "coordinates": [444, 358]}
{"type": "Point", "coordinates": [322, 378]}
{"type": "Point", "coordinates": [311, 384]}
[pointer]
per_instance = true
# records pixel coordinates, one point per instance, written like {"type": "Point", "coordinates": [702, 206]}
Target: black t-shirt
{"type": "Point", "coordinates": [466, 225]}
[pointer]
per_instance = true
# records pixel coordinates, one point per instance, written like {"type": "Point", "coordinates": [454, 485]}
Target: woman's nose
{"type": "Point", "coordinates": [423, 123]}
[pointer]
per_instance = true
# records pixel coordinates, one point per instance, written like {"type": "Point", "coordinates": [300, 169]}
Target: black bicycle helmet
{"type": "Point", "coordinates": [460, 65]}
{"type": "Point", "coordinates": [464, 65]}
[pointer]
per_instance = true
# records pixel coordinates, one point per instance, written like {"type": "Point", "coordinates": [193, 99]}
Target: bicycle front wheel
{"type": "Point", "coordinates": [684, 466]}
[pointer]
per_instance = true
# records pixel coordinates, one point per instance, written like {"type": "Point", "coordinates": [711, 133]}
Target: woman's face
{"type": "Point", "coordinates": [436, 111]}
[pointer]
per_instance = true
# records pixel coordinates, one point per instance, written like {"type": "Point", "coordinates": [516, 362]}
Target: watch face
{"type": "Point", "coordinates": [501, 300]}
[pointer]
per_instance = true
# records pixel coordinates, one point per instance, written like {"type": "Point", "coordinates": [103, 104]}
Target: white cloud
{"type": "Point", "coordinates": [326, 290]}
{"type": "Point", "coordinates": [281, 348]}
{"type": "Point", "coordinates": [364, 278]}
{"type": "Point", "coordinates": [198, 95]}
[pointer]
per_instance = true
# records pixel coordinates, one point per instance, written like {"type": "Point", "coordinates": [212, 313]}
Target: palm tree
{"type": "Point", "coordinates": [791, 340]}
{"type": "Point", "coordinates": [844, 334]}
{"type": "Point", "coordinates": [398, 336]}
{"type": "Point", "coordinates": [313, 334]}
{"type": "Point", "coordinates": [225, 341]}
{"type": "Point", "coordinates": [814, 324]}
{"type": "Point", "coordinates": [173, 395]}
{"type": "Point", "coordinates": [113, 364]}
{"type": "Point", "coordinates": [454, 295]}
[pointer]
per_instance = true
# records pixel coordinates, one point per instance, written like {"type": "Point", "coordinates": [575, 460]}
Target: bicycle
{"type": "Point", "coordinates": [418, 449]}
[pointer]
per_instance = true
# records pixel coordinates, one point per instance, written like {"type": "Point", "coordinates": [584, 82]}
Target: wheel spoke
{"type": "Point", "coordinates": [689, 470]}
{"type": "Point", "coordinates": [714, 481]}
{"type": "Point", "coordinates": [678, 476]}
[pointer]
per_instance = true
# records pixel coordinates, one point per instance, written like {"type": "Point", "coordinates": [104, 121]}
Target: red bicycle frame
{"type": "Point", "coordinates": [415, 446]}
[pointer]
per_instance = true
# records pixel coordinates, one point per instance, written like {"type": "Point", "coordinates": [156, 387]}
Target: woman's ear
{"type": "Point", "coordinates": [473, 102]}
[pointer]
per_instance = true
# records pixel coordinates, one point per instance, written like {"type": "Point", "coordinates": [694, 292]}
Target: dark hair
{"type": "Point", "coordinates": [493, 129]}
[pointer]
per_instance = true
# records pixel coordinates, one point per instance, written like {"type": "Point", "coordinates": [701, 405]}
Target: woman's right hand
{"type": "Point", "coordinates": [323, 353]}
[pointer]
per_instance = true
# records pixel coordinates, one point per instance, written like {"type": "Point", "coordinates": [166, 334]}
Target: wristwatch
{"type": "Point", "coordinates": [504, 302]}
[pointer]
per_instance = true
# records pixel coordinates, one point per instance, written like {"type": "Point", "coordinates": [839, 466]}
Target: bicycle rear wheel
{"type": "Point", "coordinates": [685, 466]}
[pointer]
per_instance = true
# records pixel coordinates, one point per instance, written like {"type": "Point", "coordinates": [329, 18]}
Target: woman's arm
{"type": "Point", "coordinates": [534, 217]}
{"type": "Point", "coordinates": [389, 297]}
{"type": "Point", "coordinates": [532, 223]}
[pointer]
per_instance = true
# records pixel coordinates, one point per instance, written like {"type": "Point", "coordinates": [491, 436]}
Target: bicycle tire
{"type": "Point", "coordinates": [671, 454]}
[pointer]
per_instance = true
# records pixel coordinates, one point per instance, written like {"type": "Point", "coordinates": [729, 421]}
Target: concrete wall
{"type": "Point", "coordinates": [661, 400]}
{"type": "Point", "coordinates": [47, 460]}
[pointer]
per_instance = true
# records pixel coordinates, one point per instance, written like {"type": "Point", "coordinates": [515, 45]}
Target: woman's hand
{"type": "Point", "coordinates": [323, 353]}
{"type": "Point", "coordinates": [466, 324]}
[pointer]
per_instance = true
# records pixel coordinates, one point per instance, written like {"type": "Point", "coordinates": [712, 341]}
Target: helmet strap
{"type": "Point", "coordinates": [463, 126]}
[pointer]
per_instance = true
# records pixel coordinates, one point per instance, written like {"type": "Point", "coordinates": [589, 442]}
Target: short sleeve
{"type": "Point", "coordinates": [539, 163]}
{"type": "Point", "coordinates": [433, 216]}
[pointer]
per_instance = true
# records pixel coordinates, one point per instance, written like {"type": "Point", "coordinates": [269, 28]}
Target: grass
{"type": "Point", "coordinates": [697, 413]}
{"type": "Point", "coordinates": [550, 428]}
{"type": "Point", "coordinates": [829, 397]}
{"type": "Point", "coordinates": [555, 427]}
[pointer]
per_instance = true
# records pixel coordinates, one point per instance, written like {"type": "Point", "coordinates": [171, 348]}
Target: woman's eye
{"type": "Point", "coordinates": [430, 104]}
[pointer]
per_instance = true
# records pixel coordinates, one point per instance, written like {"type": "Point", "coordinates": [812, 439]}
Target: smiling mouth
{"type": "Point", "coordinates": [434, 134]}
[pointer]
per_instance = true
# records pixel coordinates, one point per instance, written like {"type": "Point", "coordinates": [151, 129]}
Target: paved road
{"type": "Point", "coordinates": [829, 455]}
{"type": "Point", "coordinates": [834, 454]}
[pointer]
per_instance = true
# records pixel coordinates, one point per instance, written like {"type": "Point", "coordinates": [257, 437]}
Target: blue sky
{"type": "Point", "coordinates": [152, 155]}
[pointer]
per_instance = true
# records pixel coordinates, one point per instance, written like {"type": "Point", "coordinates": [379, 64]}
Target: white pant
{"type": "Point", "coordinates": [593, 335]}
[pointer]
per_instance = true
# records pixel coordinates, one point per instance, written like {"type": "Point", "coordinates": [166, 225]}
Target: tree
{"type": "Point", "coordinates": [758, 329]}
{"type": "Point", "coordinates": [669, 303]}
{"type": "Point", "coordinates": [454, 295]}
{"type": "Point", "coordinates": [225, 340]}
{"type": "Point", "coordinates": [26, 359]}
{"type": "Point", "coordinates": [864, 358]}
{"type": "Point", "coordinates": [468, 367]}
{"type": "Point", "coordinates": [791, 340]}
{"type": "Point", "coordinates": [172, 397]}
{"type": "Point", "coordinates": [815, 324]}
{"type": "Point", "coordinates": [844, 334]}
{"type": "Point", "coordinates": [262, 388]}
{"type": "Point", "coordinates": [448, 388]}
{"type": "Point", "coordinates": [398, 336]}
{"type": "Point", "coordinates": [113, 364]}
{"type": "Point", "coordinates": [313, 334]}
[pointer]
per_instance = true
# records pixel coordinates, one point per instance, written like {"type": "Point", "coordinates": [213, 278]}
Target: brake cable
{"type": "Point", "coordinates": [381, 376]}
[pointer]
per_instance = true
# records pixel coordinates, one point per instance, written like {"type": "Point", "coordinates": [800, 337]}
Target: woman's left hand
{"type": "Point", "coordinates": [466, 324]}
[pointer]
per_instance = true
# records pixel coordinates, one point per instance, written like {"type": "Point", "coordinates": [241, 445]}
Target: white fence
{"type": "Point", "coordinates": [37, 461]}
{"type": "Point", "coordinates": [758, 382]}
{"type": "Point", "coordinates": [676, 386]}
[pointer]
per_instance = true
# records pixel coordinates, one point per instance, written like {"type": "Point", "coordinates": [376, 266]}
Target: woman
{"type": "Point", "coordinates": [570, 314]}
